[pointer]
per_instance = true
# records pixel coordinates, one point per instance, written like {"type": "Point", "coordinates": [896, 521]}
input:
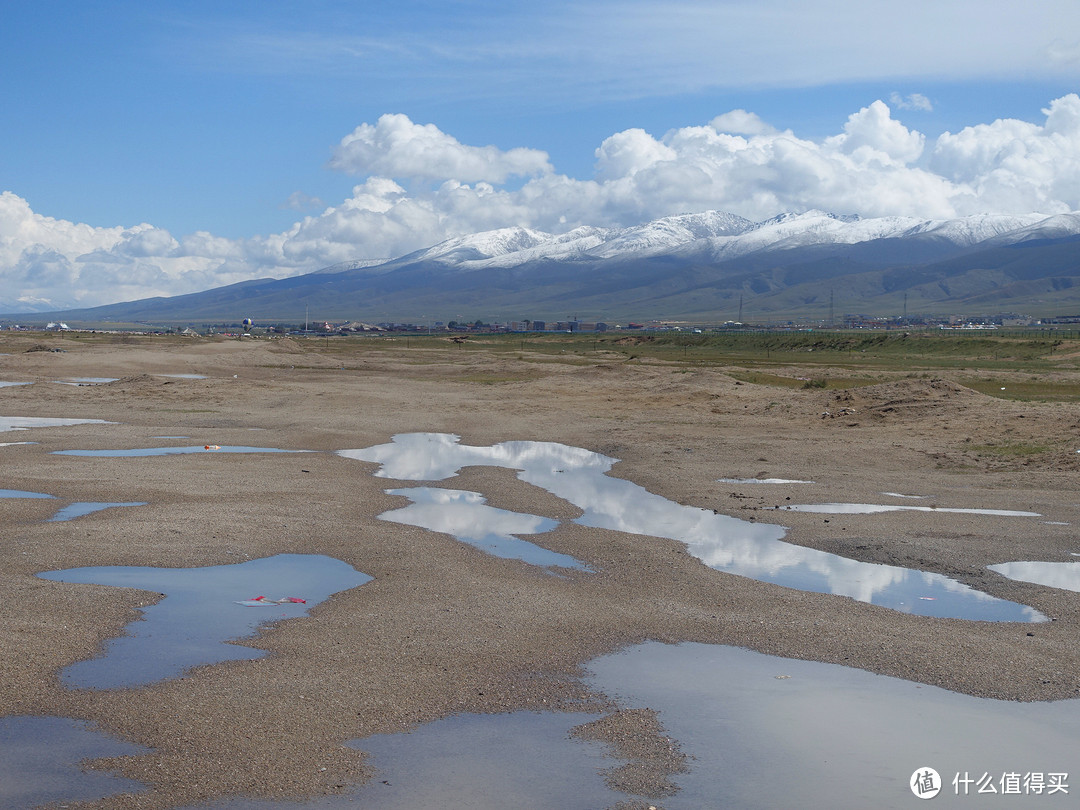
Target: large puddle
{"type": "Point", "coordinates": [518, 761]}
{"type": "Point", "coordinates": [40, 761]}
{"type": "Point", "coordinates": [768, 732]}
{"type": "Point", "coordinates": [722, 542]}
{"type": "Point", "coordinates": [759, 731]}
{"type": "Point", "coordinates": [202, 610]}
{"type": "Point", "coordinates": [467, 517]}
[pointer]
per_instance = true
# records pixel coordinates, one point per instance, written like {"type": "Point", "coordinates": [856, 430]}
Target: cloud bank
{"type": "Point", "coordinates": [419, 185]}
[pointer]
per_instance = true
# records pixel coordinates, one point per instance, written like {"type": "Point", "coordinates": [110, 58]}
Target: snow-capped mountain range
{"type": "Point", "coordinates": [720, 236]}
{"type": "Point", "coordinates": [703, 266]}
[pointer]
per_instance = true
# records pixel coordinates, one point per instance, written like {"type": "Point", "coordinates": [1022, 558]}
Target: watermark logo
{"type": "Point", "coordinates": [925, 783]}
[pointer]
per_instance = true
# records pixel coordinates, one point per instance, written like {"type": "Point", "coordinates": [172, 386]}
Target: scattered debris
{"type": "Point", "coordinates": [262, 601]}
{"type": "Point", "coordinates": [211, 447]}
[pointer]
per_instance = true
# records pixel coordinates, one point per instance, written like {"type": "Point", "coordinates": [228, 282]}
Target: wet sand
{"type": "Point", "coordinates": [444, 628]}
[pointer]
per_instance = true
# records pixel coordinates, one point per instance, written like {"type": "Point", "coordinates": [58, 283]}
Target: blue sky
{"type": "Point", "coordinates": [230, 120]}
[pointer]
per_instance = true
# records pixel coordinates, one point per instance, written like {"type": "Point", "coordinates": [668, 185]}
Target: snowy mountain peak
{"type": "Point", "coordinates": [720, 236]}
{"type": "Point", "coordinates": [483, 245]}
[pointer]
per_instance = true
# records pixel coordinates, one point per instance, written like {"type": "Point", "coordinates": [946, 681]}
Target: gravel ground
{"type": "Point", "coordinates": [444, 628]}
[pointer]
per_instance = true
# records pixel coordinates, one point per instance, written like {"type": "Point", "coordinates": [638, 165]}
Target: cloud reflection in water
{"type": "Point", "coordinates": [752, 550]}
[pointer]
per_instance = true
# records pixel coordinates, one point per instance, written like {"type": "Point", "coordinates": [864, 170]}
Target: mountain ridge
{"type": "Point", "coordinates": [689, 265]}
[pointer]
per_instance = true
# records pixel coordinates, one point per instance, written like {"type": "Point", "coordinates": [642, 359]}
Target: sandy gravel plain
{"type": "Point", "coordinates": [444, 628]}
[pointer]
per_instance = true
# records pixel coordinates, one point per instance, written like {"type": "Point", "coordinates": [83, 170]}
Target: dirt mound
{"type": "Point", "coordinates": [136, 381]}
{"type": "Point", "coordinates": [908, 398]}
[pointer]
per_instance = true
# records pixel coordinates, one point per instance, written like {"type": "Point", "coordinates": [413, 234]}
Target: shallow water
{"type": "Point", "coordinates": [18, 493]}
{"type": "Point", "coordinates": [876, 508]}
{"type": "Point", "coordinates": [753, 550]}
{"type": "Point", "coordinates": [761, 481]}
{"type": "Point", "coordinates": [82, 508]}
{"type": "Point", "coordinates": [87, 380]}
{"type": "Point", "coordinates": [10, 384]}
{"type": "Point", "coordinates": [1064, 575]}
{"type": "Point", "coordinates": [172, 451]}
{"type": "Point", "coordinates": [199, 613]}
{"type": "Point", "coordinates": [768, 732]}
{"type": "Point", "coordinates": [465, 515]}
{"type": "Point", "coordinates": [40, 762]}
{"type": "Point", "coordinates": [28, 422]}
{"type": "Point", "coordinates": [518, 761]}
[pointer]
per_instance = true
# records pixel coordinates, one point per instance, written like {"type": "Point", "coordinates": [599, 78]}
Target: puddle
{"type": "Point", "coordinates": [767, 732]}
{"type": "Point", "coordinates": [79, 509]}
{"type": "Point", "coordinates": [184, 376]}
{"type": "Point", "coordinates": [901, 495]}
{"type": "Point", "coordinates": [1064, 575]}
{"type": "Point", "coordinates": [761, 481]}
{"type": "Point", "coordinates": [171, 437]}
{"type": "Point", "coordinates": [875, 508]}
{"type": "Point", "coordinates": [87, 380]}
{"type": "Point", "coordinates": [465, 515]}
{"type": "Point", "coordinates": [752, 550]}
{"type": "Point", "coordinates": [518, 761]}
{"type": "Point", "coordinates": [173, 451]}
{"type": "Point", "coordinates": [40, 762]}
{"type": "Point", "coordinates": [29, 422]}
{"type": "Point", "coordinates": [14, 444]}
{"type": "Point", "coordinates": [18, 493]}
{"type": "Point", "coordinates": [11, 384]}
{"type": "Point", "coordinates": [199, 613]}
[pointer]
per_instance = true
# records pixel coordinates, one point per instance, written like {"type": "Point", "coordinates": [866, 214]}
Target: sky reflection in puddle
{"type": "Point", "coordinates": [199, 614]}
{"type": "Point", "coordinates": [18, 493]}
{"type": "Point", "coordinates": [465, 515]}
{"type": "Point", "coordinates": [4, 384]}
{"type": "Point", "coordinates": [40, 762]}
{"type": "Point", "coordinates": [876, 508]}
{"type": "Point", "coordinates": [82, 508]}
{"type": "Point", "coordinates": [769, 732]}
{"type": "Point", "coordinates": [725, 543]}
{"type": "Point", "coordinates": [1064, 575]}
{"type": "Point", "coordinates": [172, 451]}
{"type": "Point", "coordinates": [517, 761]}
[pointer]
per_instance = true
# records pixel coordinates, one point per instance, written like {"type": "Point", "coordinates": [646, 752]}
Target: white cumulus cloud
{"type": "Point", "coordinates": [873, 165]}
{"type": "Point", "coordinates": [396, 147]}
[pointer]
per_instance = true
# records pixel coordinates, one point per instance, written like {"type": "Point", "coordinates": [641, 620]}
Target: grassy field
{"type": "Point", "coordinates": [1040, 367]}
{"type": "Point", "coordinates": [1021, 368]}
